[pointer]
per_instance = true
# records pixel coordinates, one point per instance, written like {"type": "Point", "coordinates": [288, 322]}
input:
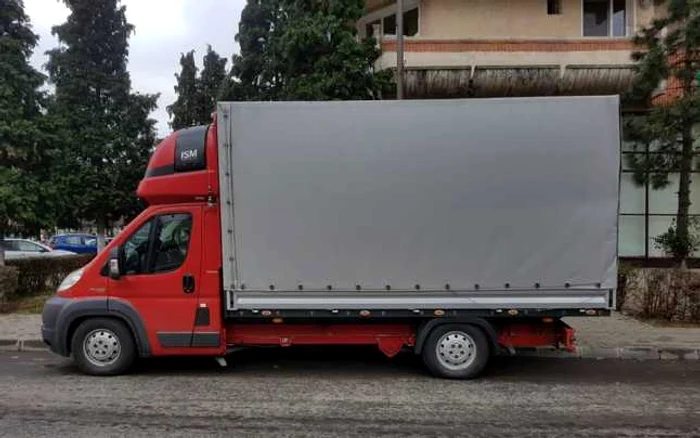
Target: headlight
{"type": "Point", "coordinates": [71, 279]}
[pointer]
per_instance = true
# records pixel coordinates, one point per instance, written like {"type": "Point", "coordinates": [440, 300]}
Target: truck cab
{"type": "Point", "coordinates": [158, 282]}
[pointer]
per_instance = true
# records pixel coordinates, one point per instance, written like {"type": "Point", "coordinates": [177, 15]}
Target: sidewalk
{"type": "Point", "coordinates": [627, 338]}
{"type": "Point", "coordinates": [616, 336]}
{"type": "Point", "coordinates": [623, 331]}
{"type": "Point", "coordinates": [20, 332]}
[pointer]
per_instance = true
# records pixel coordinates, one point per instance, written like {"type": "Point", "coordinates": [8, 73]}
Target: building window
{"type": "Point", "coordinates": [645, 212]}
{"type": "Point", "coordinates": [553, 7]}
{"type": "Point", "coordinates": [619, 20]}
{"type": "Point", "coordinates": [410, 22]}
{"type": "Point", "coordinates": [604, 18]}
{"type": "Point", "coordinates": [387, 24]}
{"type": "Point", "coordinates": [369, 29]}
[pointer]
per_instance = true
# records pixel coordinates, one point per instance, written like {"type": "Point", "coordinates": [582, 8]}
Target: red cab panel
{"type": "Point", "coordinates": [183, 168]}
{"type": "Point", "coordinates": [162, 267]}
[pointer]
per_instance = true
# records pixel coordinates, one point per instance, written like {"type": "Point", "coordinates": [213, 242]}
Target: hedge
{"type": "Point", "coordinates": [9, 277]}
{"type": "Point", "coordinates": [39, 275]}
{"type": "Point", "coordinates": [666, 294]}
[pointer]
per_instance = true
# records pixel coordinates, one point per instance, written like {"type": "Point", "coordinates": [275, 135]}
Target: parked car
{"type": "Point", "coordinates": [77, 243]}
{"type": "Point", "coordinates": [25, 248]}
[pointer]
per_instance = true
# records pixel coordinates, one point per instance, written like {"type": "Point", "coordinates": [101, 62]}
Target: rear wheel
{"type": "Point", "coordinates": [456, 351]}
{"type": "Point", "coordinates": [103, 347]}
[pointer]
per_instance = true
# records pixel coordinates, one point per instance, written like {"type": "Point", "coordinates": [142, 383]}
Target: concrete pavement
{"type": "Point", "coordinates": [620, 336]}
{"type": "Point", "coordinates": [621, 331]}
{"type": "Point", "coordinates": [20, 327]}
{"type": "Point", "coordinates": [348, 392]}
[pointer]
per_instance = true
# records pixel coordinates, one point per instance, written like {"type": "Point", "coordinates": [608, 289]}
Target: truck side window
{"type": "Point", "coordinates": [171, 241]}
{"type": "Point", "coordinates": [136, 250]}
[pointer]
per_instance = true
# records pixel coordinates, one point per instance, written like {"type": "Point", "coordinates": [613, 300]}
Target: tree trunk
{"type": "Point", "coordinates": [2, 246]}
{"type": "Point", "coordinates": [686, 166]}
{"type": "Point", "coordinates": [101, 227]}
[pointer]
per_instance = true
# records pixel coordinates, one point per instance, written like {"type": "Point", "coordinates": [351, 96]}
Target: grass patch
{"type": "Point", "coordinates": [25, 305]}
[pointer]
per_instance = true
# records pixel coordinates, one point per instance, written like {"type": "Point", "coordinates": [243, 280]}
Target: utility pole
{"type": "Point", "coordinates": [399, 49]}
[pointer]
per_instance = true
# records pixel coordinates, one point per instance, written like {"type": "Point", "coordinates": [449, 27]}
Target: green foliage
{"type": "Point", "coordinates": [672, 243]}
{"type": "Point", "coordinates": [304, 50]}
{"type": "Point", "coordinates": [184, 111]}
{"type": "Point", "coordinates": [106, 135]}
{"type": "Point", "coordinates": [255, 71]}
{"type": "Point", "coordinates": [668, 52]}
{"type": "Point", "coordinates": [197, 95]}
{"type": "Point", "coordinates": [9, 279]}
{"type": "Point", "coordinates": [41, 274]}
{"type": "Point", "coordinates": [24, 146]}
{"type": "Point", "coordinates": [211, 84]}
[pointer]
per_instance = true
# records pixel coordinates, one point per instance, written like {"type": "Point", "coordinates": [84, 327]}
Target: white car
{"type": "Point", "coordinates": [25, 248]}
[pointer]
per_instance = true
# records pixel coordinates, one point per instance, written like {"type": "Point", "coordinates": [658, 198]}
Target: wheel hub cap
{"type": "Point", "coordinates": [102, 347]}
{"type": "Point", "coordinates": [456, 350]}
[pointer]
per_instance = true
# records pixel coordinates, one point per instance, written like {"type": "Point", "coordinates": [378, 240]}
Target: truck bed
{"type": "Point", "coordinates": [414, 205]}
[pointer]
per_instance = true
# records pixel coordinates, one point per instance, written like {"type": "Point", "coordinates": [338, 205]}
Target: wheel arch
{"type": "Point", "coordinates": [79, 311]}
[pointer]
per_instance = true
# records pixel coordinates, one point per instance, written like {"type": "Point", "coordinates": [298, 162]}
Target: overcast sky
{"type": "Point", "coordinates": [164, 29]}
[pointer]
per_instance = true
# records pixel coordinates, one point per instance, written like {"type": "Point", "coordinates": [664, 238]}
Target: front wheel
{"type": "Point", "coordinates": [103, 347]}
{"type": "Point", "coordinates": [456, 351]}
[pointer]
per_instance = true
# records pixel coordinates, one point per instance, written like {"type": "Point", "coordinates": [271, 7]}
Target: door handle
{"type": "Point", "coordinates": [188, 283]}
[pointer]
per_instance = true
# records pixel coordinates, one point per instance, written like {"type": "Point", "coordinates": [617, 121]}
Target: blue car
{"type": "Point", "coordinates": [77, 243]}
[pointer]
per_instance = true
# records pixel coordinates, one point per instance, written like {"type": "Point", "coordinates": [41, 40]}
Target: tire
{"type": "Point", "coordinates": [456, 351]}
{"type": "Point", "coordinates": [103, 347]}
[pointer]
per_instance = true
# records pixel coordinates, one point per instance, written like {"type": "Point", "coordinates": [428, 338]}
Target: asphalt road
{"type": "Point", "coordinates": [348, 392]}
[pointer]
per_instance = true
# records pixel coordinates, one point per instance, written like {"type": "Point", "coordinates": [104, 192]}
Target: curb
{"type": "Point", "coordinates": [582, 352]}
{"type": "Point", "coordinates": [631, 352]}
{"type": "Point", "coordinates": [22, 345]}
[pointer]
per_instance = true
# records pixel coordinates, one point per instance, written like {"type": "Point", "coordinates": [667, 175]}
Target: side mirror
{"type": "Point", "coordinates": [114, 271]}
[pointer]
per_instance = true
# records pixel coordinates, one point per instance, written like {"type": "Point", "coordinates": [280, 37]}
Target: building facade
{"type": "Point", "coordinates": [513, 48]}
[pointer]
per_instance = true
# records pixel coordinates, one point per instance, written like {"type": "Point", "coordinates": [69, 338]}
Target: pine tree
{"type": "Point", "coordinates": [255, 71]}
{"type": "Point", "coordinates": [107, 129]}
{"type": "Point", "coordinates": [210, 84]}
{"type": "Point", "coordinates": [22, 153]}
{"type": "Point", "coordinates": [185, 110]}
{"type": "Point", "coordinates": [304, 50]}
{"type": "Point", "coordinates": [669, 50]}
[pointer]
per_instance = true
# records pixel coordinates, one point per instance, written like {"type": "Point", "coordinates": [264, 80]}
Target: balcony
{"type": "Point", "coordinates": [488, 48]}
{"type": "Point", "coordinates": [512, 67]}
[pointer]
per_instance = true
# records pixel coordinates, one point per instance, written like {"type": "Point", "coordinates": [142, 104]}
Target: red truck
{"type": "Point", "coordinates": [455, 229]}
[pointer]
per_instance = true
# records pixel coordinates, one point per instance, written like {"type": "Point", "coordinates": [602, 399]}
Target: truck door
{"type": "Point", "coordinates": [160, 262]}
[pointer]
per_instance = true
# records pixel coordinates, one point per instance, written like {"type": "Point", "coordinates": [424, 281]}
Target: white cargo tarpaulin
{"type": "Point", "coordinates": [494, 197]}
